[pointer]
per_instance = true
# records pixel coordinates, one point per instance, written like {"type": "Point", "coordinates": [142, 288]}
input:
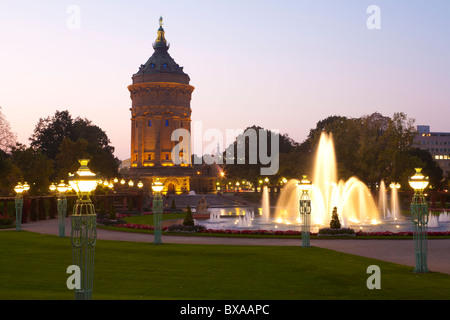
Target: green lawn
{"type": "Point", "coordinates": [33, 266]}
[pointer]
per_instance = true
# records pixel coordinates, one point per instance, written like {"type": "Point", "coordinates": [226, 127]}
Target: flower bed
{"type": "Point", "coordinates": [279, 232]}
{"type": "Point", "coordinates": [137, 226]}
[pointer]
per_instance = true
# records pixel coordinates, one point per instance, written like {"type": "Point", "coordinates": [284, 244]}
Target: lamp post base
{"type": "Point", "coordinates": [83, 237]}
{"type": "Point", "coordinates": [19, 207]}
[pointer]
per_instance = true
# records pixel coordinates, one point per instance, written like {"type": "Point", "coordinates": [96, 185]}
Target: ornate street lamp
{"type": "Point", "coordinates": [19, 189]}
{"type": "Point", "coordinates": [305, 210]}
{"type": "Point", "coordinates": [157, 187]}
{"type": "Point", "coordinates": [26, 187]}
{"type": "Point", "coordinates": [419, 218]}
{"type": "Point", "coordinates": [84, 228]}
{"type": "Point", "coordinates": [62, 207]}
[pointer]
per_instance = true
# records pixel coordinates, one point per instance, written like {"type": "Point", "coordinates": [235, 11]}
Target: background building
{"type": "Point", "coordinates": [437, 143]}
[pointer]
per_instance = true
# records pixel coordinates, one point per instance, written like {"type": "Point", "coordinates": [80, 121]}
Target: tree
{"type": "Point", "coordinates": [188, 219]}
{"type": "Point", "coordinates": [68, 155]}
{"type": "Point", "coordinates": [35, 167]}
{"type": "Point", "coordinates": [50, 132]}
{"type": "Point", "coordinates": [10, 174]}
{"type": "Point", "coordinates": [7, 137]}
{"type": "Point", "coordinates": [335, 223]}
{"type": "Point", "coordinates": [52, 135]}
{"type": "Point", "coordinates": [249, 168]}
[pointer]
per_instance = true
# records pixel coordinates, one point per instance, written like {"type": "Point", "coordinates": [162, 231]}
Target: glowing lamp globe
{"type": "Point", "coordinates": [62, 187]}
{"type": "Point", "coordinates": [140, 184]}
{"type": "Point", "coordinates": [418, 181]}
{"type": "Point", "coordinates": [52, 187]}
{"type": "Point", "coordinates": [130, 183]}
{"type": "Point", "coordinates": [19, 188]}
{"type": "Point", "coordinates": [26, 186]}
{"type": "Point", "coordinates": [305, 184]}
{"type": "Point", "coordinates": [122, 181]}
{"type": "Point", "coordinates": [83, 181]}
{"type": "Point", "coordinates": [157, 186]}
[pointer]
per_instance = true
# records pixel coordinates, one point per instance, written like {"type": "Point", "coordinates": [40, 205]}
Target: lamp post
{"type": "Point", "coordinates": [19, 189]}
{"type": "Point", "coordinates": [84, 229]}
{"type": "Point", "coordinates": [62, 207]}
{"type": "Point", "coordinates": [419, 218]}
{"type": "Point", "coordinates": [305, 210]}
{"type": "Point", "coordinates": [157, 187]}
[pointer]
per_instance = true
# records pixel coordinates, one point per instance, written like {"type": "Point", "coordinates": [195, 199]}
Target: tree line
{"type": "Point", "coordinates": [372, 148]}
{"type": "Point", "coordinates": [56, 144]}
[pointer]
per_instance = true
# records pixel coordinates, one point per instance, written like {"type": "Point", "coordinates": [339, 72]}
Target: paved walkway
{"type": "Point", "coordinates": [397, 251]}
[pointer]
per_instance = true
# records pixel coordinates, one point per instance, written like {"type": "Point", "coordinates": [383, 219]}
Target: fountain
{"type": "Point", "coordinates": [433, 221]}
{"type": "Point", "coordinates": [265, 205]}
{"type": "Point", "coordinates": [246, 220]}
{"type": "Point", "coordinates": [354, 202]}
{"type": "Point", "coordinates": [395, 206]}
{"type": "Point", "coordinates": [444, 216]}
{"type": "Point", "coordinates": [382, 201]}
{"type": "Point", "coordinates": [352, 198]}
{"type": "Point", "coordinates": [214, 217]}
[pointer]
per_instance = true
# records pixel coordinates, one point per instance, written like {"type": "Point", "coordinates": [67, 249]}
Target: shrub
{"type": "Point", "coordinates": [131, 204]}
{"type": "Point", "coordinates": [6, 220]}
{"type": "Point", "coordinates": [333, 231]}
{"type": "Point", "coordinates": [334, 223]}
{"type": "Point", "coordinates": [108, 222]}
{"type": "Point", "coordinates": [112, 211]}
{"type": "Point", "coordinates": [188, 219]}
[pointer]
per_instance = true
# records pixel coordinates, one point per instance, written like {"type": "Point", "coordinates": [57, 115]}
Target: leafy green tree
{"type": "Point", "coordinates": [188, 218]}
{"type": "Point", "coordinates": [245, 168]}
{"type": "Point", "coordinates": [10, 174]}
{"type": "Point", "coordinates": [69, 153]}
{"type": "Point", "coordinates": [51, 136]}
{"type": "Point", "coordinates": [35, 167]}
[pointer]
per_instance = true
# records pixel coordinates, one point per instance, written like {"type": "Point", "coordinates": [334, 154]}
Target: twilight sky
{"type": "Point", "coordinates": [282, 65]}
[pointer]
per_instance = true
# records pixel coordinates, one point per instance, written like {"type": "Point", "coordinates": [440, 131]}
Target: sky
{"type": "Point", "coordinates": [282, 65]}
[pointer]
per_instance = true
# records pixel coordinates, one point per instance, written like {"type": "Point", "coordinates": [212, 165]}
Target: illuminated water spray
{"type": "Point", "coordinates": [352, 198]}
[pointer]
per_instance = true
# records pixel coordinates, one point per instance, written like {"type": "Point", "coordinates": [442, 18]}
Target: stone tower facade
{"type": "Point", "coordinates": [161, 103]}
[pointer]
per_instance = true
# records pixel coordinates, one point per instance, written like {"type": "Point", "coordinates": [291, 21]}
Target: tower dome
{"type": "Point", "coordinates": [161, 67]}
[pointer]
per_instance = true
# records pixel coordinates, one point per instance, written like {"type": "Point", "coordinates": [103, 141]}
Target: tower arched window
{"type": "Point", "coordinates": [167, 123]}
{"type": "Point", "coordinates": [149, 123]}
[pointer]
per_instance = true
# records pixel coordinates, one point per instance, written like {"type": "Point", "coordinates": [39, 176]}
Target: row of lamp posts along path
{"type": "Point", "coordinates": [83, 233]}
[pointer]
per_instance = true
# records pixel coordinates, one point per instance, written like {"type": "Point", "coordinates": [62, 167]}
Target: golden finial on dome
{"type": "Point", "coordinates": [161, 32]}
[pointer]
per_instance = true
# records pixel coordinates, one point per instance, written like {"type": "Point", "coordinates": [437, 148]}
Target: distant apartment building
{"type": "Point", "coordinates": [437, 143]}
